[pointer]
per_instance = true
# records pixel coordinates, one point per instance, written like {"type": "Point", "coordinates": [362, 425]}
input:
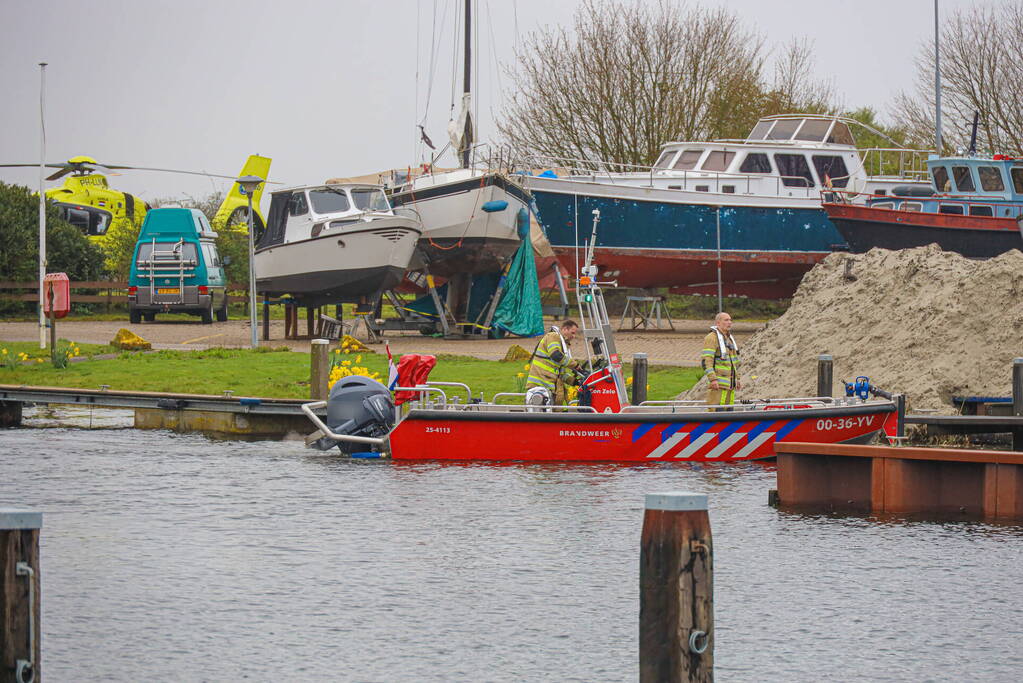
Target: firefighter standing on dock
{"type": "Point", "coordinates": [720, 361]}
{"type": "Point", "coordinates": [551, 366]}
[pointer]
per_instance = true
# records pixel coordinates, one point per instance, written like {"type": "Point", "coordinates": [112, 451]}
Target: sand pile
{"type": "Point", "coordinates": [925, 322]}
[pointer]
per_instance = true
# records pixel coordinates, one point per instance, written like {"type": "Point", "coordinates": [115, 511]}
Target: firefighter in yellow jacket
{"type": "Point", "coordinates": [720, 361]}
{"type": "Point", "coordinates": [551, 366]}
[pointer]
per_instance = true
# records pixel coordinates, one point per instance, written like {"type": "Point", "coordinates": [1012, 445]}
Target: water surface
{"type": "Point", "coordinates": [173, 557]}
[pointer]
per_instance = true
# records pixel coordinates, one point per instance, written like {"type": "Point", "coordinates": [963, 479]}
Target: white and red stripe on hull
{"type": "Point", "coordinates": [630, 437]}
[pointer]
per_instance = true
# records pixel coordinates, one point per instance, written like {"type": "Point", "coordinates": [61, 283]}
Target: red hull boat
{"type": "Point", "coordinates": [633, 437]}
{"type": "Point", "coordinates": [602, 427]}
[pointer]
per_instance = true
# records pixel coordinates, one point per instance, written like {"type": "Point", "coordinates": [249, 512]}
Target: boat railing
{"type": "Point", "coordinates": [521, 395]}
{"type": "Point", "coordinates": [422, 400]}
{"type": "Point", "coordinates": [581, 169]}
{"type": "Point", "coordinates": [895, 162]}
{"type": "Point", "coordinates": [309, 408]}
{"type": "Point", "coordinates": [461, 385]}
{"type": "Point", "coordinates": [585, 167]}
{"type": "Point", "coordinates": [512, 408]}
{"type": "Point", "coordinates": [748, 405]}
{"type": "Point", "coordinates": [1010, 209]}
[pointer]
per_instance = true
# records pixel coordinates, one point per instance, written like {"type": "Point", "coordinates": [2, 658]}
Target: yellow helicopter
{"type": "Point", "coordinates": [87, 201]}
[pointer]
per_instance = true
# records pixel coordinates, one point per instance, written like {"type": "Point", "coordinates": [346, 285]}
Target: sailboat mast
{"type": "Point", "coordinates": [937, 84]}
{"type": "Point", "coordinates": [467, 83]}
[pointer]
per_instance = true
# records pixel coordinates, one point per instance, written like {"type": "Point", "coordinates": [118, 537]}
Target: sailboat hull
{"type": "Point", "coordinates": [469, 220]}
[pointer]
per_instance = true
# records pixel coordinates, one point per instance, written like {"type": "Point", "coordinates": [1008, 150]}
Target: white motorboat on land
{"type": "Point", "coordinates": [333, 243]}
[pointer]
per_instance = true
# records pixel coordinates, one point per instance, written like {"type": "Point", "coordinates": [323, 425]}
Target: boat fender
{"type": "Point", "coordinates": [171, 403]}
{"type": "Point", "coordinates": [495, 205]}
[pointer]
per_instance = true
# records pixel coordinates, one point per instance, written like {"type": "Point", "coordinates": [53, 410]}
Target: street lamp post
{"type": "Point", "coordinates": [42, 202]}
{"type": "Point", "coordinates": [249, 184]}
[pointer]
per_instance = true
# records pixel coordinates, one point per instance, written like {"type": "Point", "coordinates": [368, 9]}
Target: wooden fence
{"type": "Point", "coordinates": [109, 292]}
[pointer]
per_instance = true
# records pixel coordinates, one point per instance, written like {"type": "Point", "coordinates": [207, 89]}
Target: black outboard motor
{"type": "Point", "coordinates": [358, 406]}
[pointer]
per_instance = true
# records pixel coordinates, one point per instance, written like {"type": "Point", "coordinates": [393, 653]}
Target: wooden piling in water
{"type": "Point", "coordinates": [825, 375]}
{"type": "Point", "coordinates": [319, 369]}
{"type": "Point", "coordinates": [640, 373]}
{"type": "Point", "coordinates": [1017, 401]}
{"type": "Point", "coordinates": [20, 630]}
{"type": "Point", "coordinates": [10, 414]}
{"type": "Point", "coordinates": [676, 575]}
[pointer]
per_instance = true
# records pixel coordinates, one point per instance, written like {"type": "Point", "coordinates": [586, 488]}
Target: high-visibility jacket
{"type": "Point", "coordinates": [549, 361]}
{"type": "Point", "coordinates": [720, 358]}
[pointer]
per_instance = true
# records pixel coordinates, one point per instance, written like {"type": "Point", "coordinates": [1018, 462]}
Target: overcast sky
{"type": "Point", "coordinates": [330, 87]}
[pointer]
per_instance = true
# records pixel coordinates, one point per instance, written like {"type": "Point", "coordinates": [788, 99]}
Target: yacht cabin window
{"type": "Point", "coordinates": [941, 181]}
{"type": "Point", "coordinates": [663, 162]}
{"type": "Point", "coordinates": [990, 179]}
{"type": "Point", "coordinates": [718, 161]}
{"type": "Point", "coordinates": [755, 162]}
{"type": "Point", "coordinates": [1017, 179]}
{"type": "Point", "coordinates": [912, 206]}
{"type": "Point", "coordinates": [329, 200]}
{"type": "Point", "coordinates": [687, 160]}
{"type": "Point", "coordinates": [831, 167]}
{"type": "Point", "coordinates": [964, 179]}
{"type": "Point", "coordinates": [370, 199]}
{"type": "Point", "coordinates": [759, 131]}
{"type": "Point", "coordinates": [840, 135]}
{"type": "Point", "coordinates": [794, 170]}
{"type": "Point", "coordinates": [813, 130]}
{"type": "Point", "coordinates": [951, 208]}
{"type": "Point", "coordinates": [980, 210]}
{"type": "Point", "coordinates": [784, 129]}
{"type": "Point", "coordinates": [297, 205]}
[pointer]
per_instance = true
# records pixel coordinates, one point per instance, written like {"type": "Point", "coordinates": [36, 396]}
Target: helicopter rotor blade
{"type": "Point", "coordinates": [61, 173]}
{"type": "Point", "coordinates": [65, 168]}
{"type": "Point", "coordinates": [32, 165]}
{"type": "Point", "coordinates": [172, 170]}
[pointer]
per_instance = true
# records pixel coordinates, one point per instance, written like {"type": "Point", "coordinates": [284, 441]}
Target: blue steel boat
{"type": "Point", "coordinates": [660, 226]}
{"type": "Point", "coordinates": [974, 206]}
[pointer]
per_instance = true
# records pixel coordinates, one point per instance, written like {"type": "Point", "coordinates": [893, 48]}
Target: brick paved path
{"type": "Point", "coordinates": [681, 347]}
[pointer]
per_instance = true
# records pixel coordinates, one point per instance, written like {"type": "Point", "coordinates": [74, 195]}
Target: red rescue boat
{"type": "Point", "coordinates": [421, 422]}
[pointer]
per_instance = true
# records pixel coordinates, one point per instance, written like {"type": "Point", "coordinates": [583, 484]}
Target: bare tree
{"type": "Point", "coordinates": [632, 76]}
{"type": "Point", "coordinates": [795, 89]}
{"type": "Point", "coordinates": [981, 71]}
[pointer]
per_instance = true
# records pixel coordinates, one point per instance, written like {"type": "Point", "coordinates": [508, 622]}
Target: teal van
{"type": "Point", "coordinates": [176, 268]}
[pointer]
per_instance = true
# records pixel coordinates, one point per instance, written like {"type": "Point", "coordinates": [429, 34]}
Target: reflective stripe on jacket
{"type": "Point", "coordinates": [550, 359]}
{"type": "Point", "coordinates": [724, 369]}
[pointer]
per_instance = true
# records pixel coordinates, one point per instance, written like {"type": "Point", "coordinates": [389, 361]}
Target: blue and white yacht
{"type": "Point", "coordinates": [755, 204]}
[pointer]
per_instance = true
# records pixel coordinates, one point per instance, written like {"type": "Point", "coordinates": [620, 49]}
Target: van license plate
{"type": "Point", "coordinates": [167, 290]}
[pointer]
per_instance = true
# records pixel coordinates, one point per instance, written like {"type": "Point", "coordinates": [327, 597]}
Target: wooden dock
{"type": "Point", "coordinates": [224, 415]}
{"type": "Point", "coordinates": [905, 481]}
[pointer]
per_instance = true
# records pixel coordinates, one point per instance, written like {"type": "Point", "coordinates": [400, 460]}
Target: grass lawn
{"type": "Point", "coordinates": [267, 373]}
